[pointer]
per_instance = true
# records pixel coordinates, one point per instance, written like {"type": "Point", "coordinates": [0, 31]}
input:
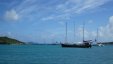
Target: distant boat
{"type": "Point", "coordinates": [85, 44]}
{"type": "Point", "coordinates": [96, 40]}
{"type": "Point", "coordinates": [101, 45]}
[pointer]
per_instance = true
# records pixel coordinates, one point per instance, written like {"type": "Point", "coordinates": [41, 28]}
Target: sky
{"type": "Point", "coordinates": [43, 21]}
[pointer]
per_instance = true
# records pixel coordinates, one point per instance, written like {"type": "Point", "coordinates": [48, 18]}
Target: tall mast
{"type": "Point", "coordinates": [74, 30]}
{"type": "Point", "coordinates": [83, 30]}
{"type": "Point", "coordinates": [66, 33]}
{"type": "Point", "coordinates": [97, 36]}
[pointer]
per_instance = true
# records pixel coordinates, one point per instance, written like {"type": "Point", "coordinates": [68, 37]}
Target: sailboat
{"type": "Point", "coordinates": [98, 43]}
{"type": "Point", "coordinates": [85, 44]}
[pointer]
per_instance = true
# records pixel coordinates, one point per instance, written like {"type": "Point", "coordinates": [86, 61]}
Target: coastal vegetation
{"type": "Point", "coordinates": [7, 40]}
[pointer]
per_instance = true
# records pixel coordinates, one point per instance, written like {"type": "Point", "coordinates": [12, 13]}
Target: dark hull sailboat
{"type": "Point", "coordinates": [76, 46]}
{"type": "Point", "coordinates": [85, 44]}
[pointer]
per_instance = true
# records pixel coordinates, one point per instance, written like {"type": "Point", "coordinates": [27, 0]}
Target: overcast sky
{"type": "Point", "coordinates": [44, 20]}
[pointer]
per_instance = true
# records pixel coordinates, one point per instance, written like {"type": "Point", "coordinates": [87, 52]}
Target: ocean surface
{"type": "Point", "coordinates": [55, 54]}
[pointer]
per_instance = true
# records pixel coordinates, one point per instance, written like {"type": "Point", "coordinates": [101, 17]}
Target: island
{"type": "Point", "coordinates": [7, 40]}
{"type": "Point", "coordinates": [106, 43]}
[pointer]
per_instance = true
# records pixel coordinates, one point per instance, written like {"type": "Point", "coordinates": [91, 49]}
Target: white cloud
{"type": "Point", "coordinates": [28, 8]}
{"type": "Point", "coordinates": [47, 18]}
{"type": "Point", "coordinates": [90, 21]}
{"type": "Point", "coordinates": [87, 34]}
{"type": "Point", "coordinates": [61, 22]}
{"type": "Point", "coordinates": [58, 17]}
{"type": "Point", "coordinates": [11, 15]}
{"type": "Point", "coordinates": [79, 6]}
{"type": "Point", "coordinates": [90, 4]}
{"type": "Point", "coordinates": [25, 4]}
{"type": "Point", "coordinates": [71, 7]}
{"type": "Point", "coordinates": [107, 31]}
{"type": "Point", "coordinates": [9, 33]}
{"type": "Point", "coordinates": [52, 35]}
{"type": "Point", "coordinates": [111, 23]}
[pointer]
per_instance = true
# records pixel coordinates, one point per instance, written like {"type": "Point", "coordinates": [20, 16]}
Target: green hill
{"type": "Point", "coordinates": [7, 40]}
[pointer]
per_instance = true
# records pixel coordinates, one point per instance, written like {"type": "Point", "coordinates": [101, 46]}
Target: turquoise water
{"type": "Point", "coordinates": [55, 54]}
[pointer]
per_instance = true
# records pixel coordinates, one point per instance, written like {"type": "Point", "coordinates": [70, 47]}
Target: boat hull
{"type": "Point", "coordinates": [76, 46]}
